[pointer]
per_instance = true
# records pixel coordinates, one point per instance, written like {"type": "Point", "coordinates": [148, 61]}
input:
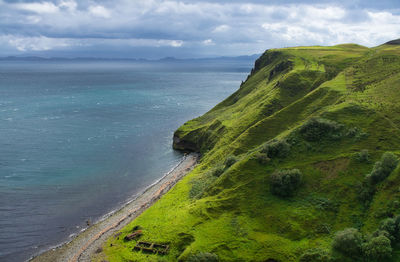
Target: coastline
{"type": "Point", "coordinates": [85, 243]}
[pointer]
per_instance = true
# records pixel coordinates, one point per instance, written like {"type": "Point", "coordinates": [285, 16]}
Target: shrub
{"type": "Point", "coordinates": [230, 160]}
{"type": "Point", "coordinates": [378, 233]}
{"type": "Point", "coordinates": [348, 243]}
{"type": "Point", "coordinates": [389, 161]}
{"type": "Point", "coordinates": [203, 257]}
{"type": "Point", "coordinates": [285, 182]}
{"type": "Point", "coordinates": [366, 193]}
{"type": "Point", "coordinates": [317, 128]}
{"type": "Point", "coordinates": [315, 255]}
{"type": "Point", "coordinates": [362, 156]}
{"type": "Point", "coordinates": [325, 204]}
{"type": "Point", "coordinates": [276, 148]}
{"type": "Point", "coordinates": [377, 249]}
{"type": "Point", "coordinates": [199, 185]}
{"type": "Point", "coordinates": [389, 225]}
{"type": "Point", "coordinates": [218, 171]}
{"type": "Point", "coordinates": [383, 168]}
{"type": "Point", "coordinates": [353, 131]}
{"type": "Point", "coordinates": [261, 158]}
{"type": "Point", "coordinates": [397, 221]}
{"type": "Point", "coordinates": [390, 228]}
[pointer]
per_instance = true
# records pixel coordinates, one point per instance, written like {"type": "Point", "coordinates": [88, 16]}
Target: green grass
{"type": "Point", "coordinates": [236, 217]}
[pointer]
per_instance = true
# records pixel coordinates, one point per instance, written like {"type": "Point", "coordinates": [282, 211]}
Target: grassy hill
{"type": "Point", "coordinates": [294, 157]}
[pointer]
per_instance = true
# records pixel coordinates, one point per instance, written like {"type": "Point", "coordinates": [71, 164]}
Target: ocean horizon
{"type": "Point", "coordinates": [81, 138]}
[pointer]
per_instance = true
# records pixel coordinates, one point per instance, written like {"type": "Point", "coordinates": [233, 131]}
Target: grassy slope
{"type": "Point", "coordinates": [237, 217]}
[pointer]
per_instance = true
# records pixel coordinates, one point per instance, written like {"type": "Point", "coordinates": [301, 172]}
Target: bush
{"type": "Point", "coordinates": [315, 255]}
{"type": "Point", "coordinates": [356, 133]}
{"type": "Point", "coordinates": [218, 171]}
{"type": "Point", "coordinates": [377, 249]}
{"type": "Point", "coordinates": [378, 233]}
{"type": "Point", "coordinates": [203, 257]}
{"type": "Point", "coordinates": [389, 225]}
{"type": "Point", "coordinates": [390, 228]}
{"type": "Point", "coordinates": [389, 161]}
{"type": "Point", "coordinates": [397, 221]}
{"type": "Point", "coordinates": [366, 194]}
{"type": "Point", "coordinates": [276, 148]}
{"type": "Point", "coordinates": [317, 128]}
{"type": "Point", "coordinates": [285, 182]}
{"type": "Point", "coordinates": [348, 243]}
{"type": "Point", "coordinates": [353, 131]}
{"type": "Point", "coordinates": [261, 158]}
{"type": "Point", "coordinates": [362, 156]}
{"type": "Point", "coordinates": [197, 189]}
{"type": "Point", "coordinates": [230, 160]}
{"type": "Point", "coordinates": [200, 184]}
{"type": "Point", "coordinates": [383, 168]}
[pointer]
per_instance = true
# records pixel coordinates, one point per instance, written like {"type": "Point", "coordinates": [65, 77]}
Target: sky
{"type": "Point", "coordinates": [189, 28]}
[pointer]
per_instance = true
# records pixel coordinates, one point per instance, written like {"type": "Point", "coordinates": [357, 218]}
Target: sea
{"type": "Point", "coordinates": [79, 138]}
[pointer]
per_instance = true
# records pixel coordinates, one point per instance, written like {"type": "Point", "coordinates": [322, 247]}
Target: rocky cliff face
{"type": "Point", "coordinates": [184, 145]}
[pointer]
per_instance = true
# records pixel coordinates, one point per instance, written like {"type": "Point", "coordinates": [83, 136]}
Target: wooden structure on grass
{"type": "Point", "coordinates": [134, 235]}
{"type": "Point", "coordinates": [151, 248]}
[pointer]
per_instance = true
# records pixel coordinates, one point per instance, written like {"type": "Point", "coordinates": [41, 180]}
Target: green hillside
{"type": "Point", "coordinates": [290, 161]}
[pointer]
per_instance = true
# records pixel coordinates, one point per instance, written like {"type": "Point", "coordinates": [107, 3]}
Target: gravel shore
{"type": "Point", "coordinates": [82, 247]}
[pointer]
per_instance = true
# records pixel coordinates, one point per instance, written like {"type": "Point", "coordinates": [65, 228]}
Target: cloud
{"type": "Point", "coordinates": [221, 28]}
{"type": "Point", "coordinates": [40, 43]}
{"type": "Point", "coordinates": [99, 11]}
{"type": "Point", "coordinates": [208, 42]}
{"type": "Point", "coordinates": [193, 27]}
{"type": "Point", "coordinates": [174, 43]}
{"type": "Point", "coordinates": [332, 27]}
{"type": "Point", "coordinates": [40, 8]}
{"type": "Point", "coordinates": [69, 5]}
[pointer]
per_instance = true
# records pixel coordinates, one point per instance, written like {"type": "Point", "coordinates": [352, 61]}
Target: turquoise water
{"type": "Point", "coordinates": [78, 139]}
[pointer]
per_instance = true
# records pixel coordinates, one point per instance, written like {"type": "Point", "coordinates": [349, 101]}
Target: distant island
{"type": "Point", "coordinates": [165, 59]}
{"type": "Point", "coordinates": [299, 164]}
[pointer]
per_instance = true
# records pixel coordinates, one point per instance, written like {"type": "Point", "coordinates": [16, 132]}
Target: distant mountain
{"type": "Point", "coordinates": [166, 59]}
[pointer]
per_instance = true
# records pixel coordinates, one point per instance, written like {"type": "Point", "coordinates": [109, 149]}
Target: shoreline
{"type": "Point", "coordinates": [86, 242]}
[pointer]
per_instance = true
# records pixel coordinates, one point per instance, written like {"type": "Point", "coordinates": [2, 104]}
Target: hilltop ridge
{"type": "Point", "coordinates": [300, 158]}
{"type": "Point", "coordinates": [393, 42]}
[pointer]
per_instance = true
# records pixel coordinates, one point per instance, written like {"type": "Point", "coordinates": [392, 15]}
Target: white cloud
{"type": "Point", "coordinates": [40, 8]}
{"type": "Point", "coordinates": [33, 19]}
{"type": "Point", "coordinates": [324, 13]}
{"type": "Point", "coordinates": [173, 43]}
{"type": "Point", "coordinates": [137, 42]}
{"type": "Point", "coordinates": [39, 43]}
{"type": "Point", "coordinates": [208, 42]}
{"type": "Point", "coordinates": [221, 28]}
{"type": "Point", "coordinates": [142, 42]}
{"type": "Point", "coordinates": [327, 26]}
{"type": "Point", "coordinates": [99, 11]}
{"type": "Point", "coordinates": [68, 4]}
{"type": "Point", "coordinates": [42, 43]}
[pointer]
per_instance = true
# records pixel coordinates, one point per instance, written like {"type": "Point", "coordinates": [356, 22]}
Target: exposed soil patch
{"type": "Point", "coordinates": [333, 167]}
